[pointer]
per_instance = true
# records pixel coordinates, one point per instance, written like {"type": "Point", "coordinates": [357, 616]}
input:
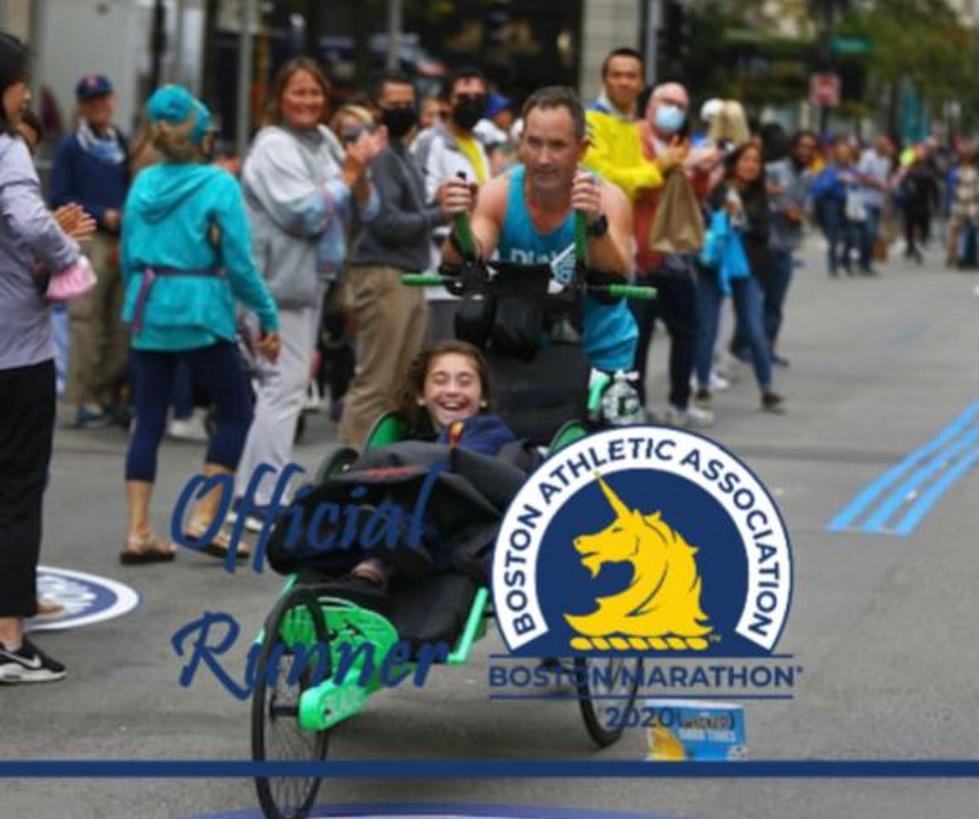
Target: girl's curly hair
{"type": "Point", "coordinates": [414, 382]}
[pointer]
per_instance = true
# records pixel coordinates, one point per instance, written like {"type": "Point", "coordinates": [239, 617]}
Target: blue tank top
{"type": "Point", "coordinates": [610, 331]}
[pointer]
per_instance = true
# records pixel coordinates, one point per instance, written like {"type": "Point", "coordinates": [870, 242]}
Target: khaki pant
{"type": "Point", "coordinates": [99, 345]}
{"type": "Point", "coordinates": [391, 322]}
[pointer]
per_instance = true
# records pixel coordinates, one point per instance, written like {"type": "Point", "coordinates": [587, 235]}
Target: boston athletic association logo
{"type": "Point", "coordinates": [647, 540]}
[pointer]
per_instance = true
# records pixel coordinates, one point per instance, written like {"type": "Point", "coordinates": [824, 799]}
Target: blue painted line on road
{"type": "Point", "coordinates": [650, 694]}
{"type": "Point", "coordinates": [877, 521]}
{"type": "Point", "coordinates": [909, 332]}
{"type": "Point", "coordinates": [845, 518]}
{"type": "Point", "coordinates": [482, 769]}
{"type": "Point", "coordinates": [453, 809]}
{"type": "Point", "coordinates": [934, 492]}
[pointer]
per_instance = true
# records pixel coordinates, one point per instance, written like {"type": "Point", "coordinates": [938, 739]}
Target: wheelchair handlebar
{"type": "Point", "coordinates": [619, 291]}
{"type": "Point", "coordinates": [422, 279]}
{"type": "Point", "coordinates": [628, 291]}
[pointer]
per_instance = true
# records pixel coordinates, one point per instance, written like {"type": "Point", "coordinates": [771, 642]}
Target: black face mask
{"type": "Point", "coordinates": [399, 121]}
{"type": "Point", "coordinates": [468, 111]}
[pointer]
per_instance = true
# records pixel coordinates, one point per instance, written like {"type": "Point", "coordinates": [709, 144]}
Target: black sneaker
{"type": "Point", "coordinates": [28, 664]}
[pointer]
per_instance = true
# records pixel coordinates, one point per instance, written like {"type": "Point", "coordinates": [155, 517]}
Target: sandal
{"type": "Point", "coordinates": [146, 550]}
{"type": "Point", "coordinates": [218, 546]}
{"type": "Point", "coordinates": [48, 608]}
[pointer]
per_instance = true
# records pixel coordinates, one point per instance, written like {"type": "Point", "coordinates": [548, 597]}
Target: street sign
{"type": "Point", "coordinates": [824, 89]}
{"type": "Point", "coordinates": [849, 45]}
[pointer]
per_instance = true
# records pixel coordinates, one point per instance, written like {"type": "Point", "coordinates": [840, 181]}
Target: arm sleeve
{"type": "Point", "coordinates": [59, 186]}
{"type": "Point", "coordinates": [631, 177]}
{"type": "Point", "coordinates": [394, 225]}
{"type": "Point", "coordinates": [280, 180]}
{"type": "Point", "coordinates": [422, 150]}
{"type": "Point", "coordinates": [125, 244]}
{"type": "Point", "coordinates": [372, 207]}
{"type": "Point", "coordinates": [822, 184]}
{"type": "Point", "coordinates": [25, 212]}
{"type": "Point", "coordinates": [62, 190]}
{"type": "Point", "coordinates": [236, 253]}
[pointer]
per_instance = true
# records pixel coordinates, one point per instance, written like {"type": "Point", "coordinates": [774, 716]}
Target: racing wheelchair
{"type": "Point", "coordinates": [315, 629]}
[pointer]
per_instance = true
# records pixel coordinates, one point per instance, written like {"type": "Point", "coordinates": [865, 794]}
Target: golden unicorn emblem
{"type": "Point", "coordinates": [660, 608]}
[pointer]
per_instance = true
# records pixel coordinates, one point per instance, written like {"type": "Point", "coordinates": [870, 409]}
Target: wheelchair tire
{"type": "Point", "coordinates": [276, 735]}
{"type": "Point", "coordinates": [592, 696]}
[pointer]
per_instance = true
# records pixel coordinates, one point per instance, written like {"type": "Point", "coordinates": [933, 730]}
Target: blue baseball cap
{"type": "Point", "coordinates": [91, 86]}
{"type": "Point", "coordinates": [495, 104]}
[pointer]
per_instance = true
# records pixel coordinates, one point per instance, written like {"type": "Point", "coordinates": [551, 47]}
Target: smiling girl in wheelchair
{"type": "Point", "coordinates": [440, 454]}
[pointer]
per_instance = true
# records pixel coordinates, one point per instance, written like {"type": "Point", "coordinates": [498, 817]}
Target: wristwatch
{"type": "Point", "coordinates": [598, 228]}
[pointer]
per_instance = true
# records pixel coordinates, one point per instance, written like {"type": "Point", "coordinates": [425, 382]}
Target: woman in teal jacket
{"type": "Point", "coordinates": [186, 256]}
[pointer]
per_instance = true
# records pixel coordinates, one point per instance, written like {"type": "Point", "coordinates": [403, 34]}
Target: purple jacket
{"type": "Point", "coordinates": [28, 235]}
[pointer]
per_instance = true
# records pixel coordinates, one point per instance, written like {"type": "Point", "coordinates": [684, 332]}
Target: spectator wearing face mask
{"type": "Point", "coordinates": [390, 317]}
{"type": "Point", "coordinates": [638, 158]}
{"type": "Point", "coordinates": [450, 149]}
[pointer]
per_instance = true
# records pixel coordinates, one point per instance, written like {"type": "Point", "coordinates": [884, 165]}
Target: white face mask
{"type": "Point", "coordinates": [669, 118]}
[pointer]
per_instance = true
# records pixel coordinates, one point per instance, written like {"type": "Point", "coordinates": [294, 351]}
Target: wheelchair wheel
{"type": "Point", "coordinates": [276, 733]}
{"type": "Point", "coordinates": [607, 693]}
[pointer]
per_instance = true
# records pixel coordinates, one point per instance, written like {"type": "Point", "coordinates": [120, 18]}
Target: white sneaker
{"type": "Point", "coordinates": [692, 417]}
{"type": "Point", "coordinates": [697, 417]}
{"type": "Point", "coordinates": [190, 429]}
{"type": "Point", "coordinates": [718, 383]}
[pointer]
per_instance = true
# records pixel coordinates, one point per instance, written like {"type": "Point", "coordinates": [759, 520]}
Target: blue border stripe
{"type": "Point", "coordinates": [845, 517]}
{"type": "Point", "coordinates": [452, 808]}
{"type": "Point", "coordinates": [934, 492]}
{"type": "Point", "coordinates": [645, 694]}
{"type": "Point", "coordinates": [875, 523]}
{"type": "Point", "coordinates": [483, 769]}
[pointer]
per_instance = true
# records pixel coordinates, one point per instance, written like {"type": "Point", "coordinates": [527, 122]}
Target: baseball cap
{"type": "Point", "coordinates": [91, 86]}
{"type": "Point", "coordinates": [495, 104]}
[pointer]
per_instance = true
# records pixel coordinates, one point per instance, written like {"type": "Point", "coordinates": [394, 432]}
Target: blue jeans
{"type": "Point", "coordinates": [776, 287]}
{"type": "Point", "coordinates": [62, 337]}
{"type": "Point", "coordinates": [871, 230]}
{"type": "Point", "coordinates": [749, 309]}
{"type": "Point", "coordinates": [840, 232]}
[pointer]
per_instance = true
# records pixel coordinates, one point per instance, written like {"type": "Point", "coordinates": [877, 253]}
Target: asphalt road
{"type": "Point", "coordinates": [881, 623]}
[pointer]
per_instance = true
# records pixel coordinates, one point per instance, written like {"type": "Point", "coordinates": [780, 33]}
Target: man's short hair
{"type": "Point", "coordinates": [558, 96]}
{"type": "Point", "coordinates": [622, 51]}
{"type": "Point", "coordinates": [466, 72]}
{"type": "Point", "coordinates": [378, 81]}
{"type": "Point", "coordinates": [801, 134]}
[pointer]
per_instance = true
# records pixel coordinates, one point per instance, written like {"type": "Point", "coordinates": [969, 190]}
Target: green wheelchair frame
{"type": "Point", "coordinates": [304, 626]}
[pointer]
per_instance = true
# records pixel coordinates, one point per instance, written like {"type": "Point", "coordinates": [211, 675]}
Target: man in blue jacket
{"type": "Point", "coordinates": [91, 167]}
